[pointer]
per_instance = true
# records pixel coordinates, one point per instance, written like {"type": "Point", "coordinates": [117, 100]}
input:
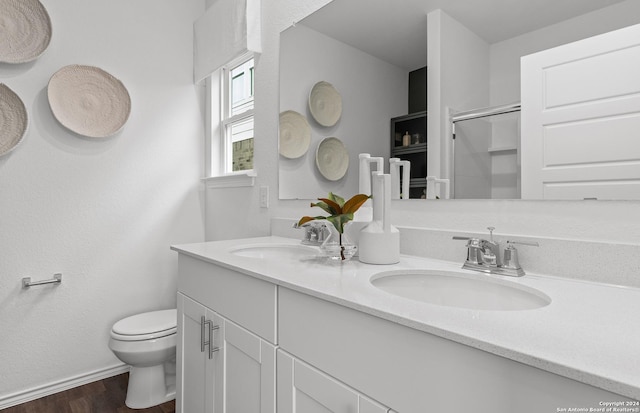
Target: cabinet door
{"type": "Point", "coordinates": [195, 371]}
{"type": "Point", "coordinates": [304, 389]}
{"type": "Point", "coordinates": [249, 372]}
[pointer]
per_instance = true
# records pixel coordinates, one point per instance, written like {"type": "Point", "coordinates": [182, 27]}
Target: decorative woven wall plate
{"type": "Point", "coordinates": [13, 119]}
{"type": "Point", "coordinates": [25, 30]}
{"type": "Point", "coordinates": [295, 134]}
{"type": "Point", "coordinates": [88, 101]}
{"type": "Point", "coordinates": [325, 103]}
{"type": "Point", "coordinates": [332, 158]}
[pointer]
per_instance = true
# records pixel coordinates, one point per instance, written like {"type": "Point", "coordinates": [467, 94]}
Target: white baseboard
{"type": "Point", "coordinates": [60, 385]}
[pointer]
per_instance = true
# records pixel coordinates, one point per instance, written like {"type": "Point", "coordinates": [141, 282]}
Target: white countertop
{"type": "Point", "coordinates": [590, 332]}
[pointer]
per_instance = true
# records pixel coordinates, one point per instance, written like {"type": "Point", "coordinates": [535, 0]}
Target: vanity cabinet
{"type": "Point", "coordinates": [413, 371]}
{"type": "Point", "coordinates": [414, 151]}
{"type": "Point", "coordinates": [224, 365]}
{"type": "Point", "coordinates": [287, 351]}
{"type": "Point", "coordinates": [304, 389]}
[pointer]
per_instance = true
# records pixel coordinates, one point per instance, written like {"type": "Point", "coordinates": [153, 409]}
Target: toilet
{"type": "Point", "coordinates": [147, 342]}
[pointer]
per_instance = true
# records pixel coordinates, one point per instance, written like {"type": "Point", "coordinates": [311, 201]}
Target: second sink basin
{"type": "Point", "coordinates": [276, 251]}
{"type": "Point", "coordinates": [462, 290]}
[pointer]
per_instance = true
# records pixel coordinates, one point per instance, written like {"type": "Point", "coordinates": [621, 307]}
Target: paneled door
{"type": "Point", "coordinates": [222, 367]}
{"type": "Point", "coordinates": [196, 388]}
{"type": "Point", "coordinates": [249, 372]}
{"type": "Point", "coordinates": [581, 117]}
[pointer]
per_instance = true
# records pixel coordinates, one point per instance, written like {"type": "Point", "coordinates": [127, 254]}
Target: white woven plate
{"type": "Point", "coordinates": [25, 30]}
{"type": "Point", "coordinates": [88, 101]}
{"type": "Point", "coordinates": [325, 104]}
{"type": "Point", "coordinates": [332, 159]}
{"type": "Point", "coordinates": [13, 119]}
{"type": "Point", "coordinates": [295, 134]}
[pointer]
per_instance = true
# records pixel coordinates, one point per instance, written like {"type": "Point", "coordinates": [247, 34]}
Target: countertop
{"type": "Point", "coordinates": [590, 332]}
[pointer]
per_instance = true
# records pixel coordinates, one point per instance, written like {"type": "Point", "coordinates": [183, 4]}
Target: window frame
{"type": "Point", "coordinates": [218, 161]}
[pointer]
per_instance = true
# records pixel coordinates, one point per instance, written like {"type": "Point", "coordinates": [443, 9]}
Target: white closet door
{"type": "Point", "coordinates": [581, 119]}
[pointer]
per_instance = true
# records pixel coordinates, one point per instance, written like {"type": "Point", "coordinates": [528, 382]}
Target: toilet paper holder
{"type": "Point", "coordinates": [26, 281]}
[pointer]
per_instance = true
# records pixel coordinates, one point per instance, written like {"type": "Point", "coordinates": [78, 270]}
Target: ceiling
{"type": "Point", "coordinates": [396, 30]}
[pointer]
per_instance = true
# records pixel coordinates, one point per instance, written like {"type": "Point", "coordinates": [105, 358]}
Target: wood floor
{"type": "Point", "coordinates": [104, 396]}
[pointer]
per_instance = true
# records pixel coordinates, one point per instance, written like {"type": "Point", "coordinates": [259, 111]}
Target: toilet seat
{"type": "Point", "coordinates": [146, 326]}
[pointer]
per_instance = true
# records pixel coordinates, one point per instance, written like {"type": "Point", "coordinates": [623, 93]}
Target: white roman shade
{"type": "Point", "coordinates": [226, 31]}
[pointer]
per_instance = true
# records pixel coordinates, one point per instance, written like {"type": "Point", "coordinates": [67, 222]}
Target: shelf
{"type": "Point", "coordinates": [404, 118]}
{"type": "Point", "coordinates": [403, 150]}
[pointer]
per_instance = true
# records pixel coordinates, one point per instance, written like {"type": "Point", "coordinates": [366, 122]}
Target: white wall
{"type": "Point", "coordinates": [505, 55]}
{"type": "Point", "coordinates": [101, 211]}
{"type": "Point", "coordinates": [308, 57]}
{"type": "Point", "coordinates": [458, 63]}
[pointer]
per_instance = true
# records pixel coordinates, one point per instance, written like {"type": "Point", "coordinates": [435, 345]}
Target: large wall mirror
{"type": "Point", "coordinates": [360, 55]}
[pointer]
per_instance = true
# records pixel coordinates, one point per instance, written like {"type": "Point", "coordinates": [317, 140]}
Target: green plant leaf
{"type": "Point", "coordinates": [307, 218]}
{"type": "Point", "coordinates": [353, 204]}
{"type": "Point", "coordinates": [336, 209]}
{"type": "Point", "coordinates": [326, 207]}
{"type": "Point", "coordinates": [339, 221]}
{"type": "Point", "coordinates": [337, 199]}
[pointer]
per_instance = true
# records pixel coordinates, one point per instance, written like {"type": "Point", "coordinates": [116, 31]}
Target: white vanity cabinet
{"type": "Point", "coordinates": [221, 365]}
{"type": "Point", "coordinates": [413, 371]}
{"type": "Point", "coordinates": [304, 389]}
{"type": "Point", "coordinates": [289, 349]}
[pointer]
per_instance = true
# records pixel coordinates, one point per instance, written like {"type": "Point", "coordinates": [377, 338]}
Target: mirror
{"type": "Point", "coordinates": [367, 50]}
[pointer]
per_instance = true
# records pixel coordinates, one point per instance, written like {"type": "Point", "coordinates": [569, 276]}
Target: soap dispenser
{"type": "Point", "coordinates": [380, 241]}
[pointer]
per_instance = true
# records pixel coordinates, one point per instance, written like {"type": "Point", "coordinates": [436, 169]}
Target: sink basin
{"type": "Point", "coordinates": [276, 251]}
{"type": "Point", "coordinates": [462, 290]}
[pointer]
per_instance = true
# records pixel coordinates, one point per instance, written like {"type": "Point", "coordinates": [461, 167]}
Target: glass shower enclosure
{"type": "Point", "coordinates": [486, 153]}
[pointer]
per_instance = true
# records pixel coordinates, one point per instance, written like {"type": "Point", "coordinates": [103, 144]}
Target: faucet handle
{"type": "Point", "coordinates": [511, 255]}
{"type": "Point", "coordinates": [533, 244]}
{"type": "Point", "coordinates": [474, 249]}
{"type": "Point", "coordinates": [491, 233]}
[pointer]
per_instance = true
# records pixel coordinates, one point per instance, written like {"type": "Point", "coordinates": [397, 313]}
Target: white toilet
{"type": "Point", "coordinates": [147, 342]}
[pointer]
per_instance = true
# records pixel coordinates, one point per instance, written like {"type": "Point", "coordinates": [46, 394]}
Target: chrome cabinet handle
{"type": "Point", "coordinates": [212, 349]}
{"type": "Point", "coordinates": [203, 324]}
{"type": "Point", "coordinates": [209, 331]}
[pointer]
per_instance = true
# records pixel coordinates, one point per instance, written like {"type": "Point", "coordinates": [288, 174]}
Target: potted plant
{"type": "Point", "coordinates": [341, 212]}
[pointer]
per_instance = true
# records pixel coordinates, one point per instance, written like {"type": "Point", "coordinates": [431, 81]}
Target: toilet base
{"type": "Point", "coordinates": [150, 386]}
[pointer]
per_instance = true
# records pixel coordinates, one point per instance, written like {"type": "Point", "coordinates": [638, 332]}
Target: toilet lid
{"type": "Point", "coordinates": [150, 325]}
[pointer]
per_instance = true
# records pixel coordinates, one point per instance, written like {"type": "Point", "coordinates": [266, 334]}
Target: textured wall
{"type": "Point", "coordinates": [101, 211]}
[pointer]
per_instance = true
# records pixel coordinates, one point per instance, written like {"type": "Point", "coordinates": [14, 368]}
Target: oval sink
{"type": "Point", "coordinates": [455, 289]}
{"type": "Point", "coordinates": [276, 251]}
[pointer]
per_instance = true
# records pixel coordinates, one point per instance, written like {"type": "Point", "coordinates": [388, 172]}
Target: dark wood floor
{"type": "Point", "coordinates": [104, 396]}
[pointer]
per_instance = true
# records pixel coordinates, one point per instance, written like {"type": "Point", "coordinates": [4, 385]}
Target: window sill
{"type": "Point", "coordinates": [231, 180]}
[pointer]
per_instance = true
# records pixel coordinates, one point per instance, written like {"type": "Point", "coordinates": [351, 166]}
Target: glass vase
{"type": "Point", "coordinates": [337, 246]}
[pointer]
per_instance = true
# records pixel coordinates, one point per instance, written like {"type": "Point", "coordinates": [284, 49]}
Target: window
{"type": "Point", "coordinates": [232, 118]}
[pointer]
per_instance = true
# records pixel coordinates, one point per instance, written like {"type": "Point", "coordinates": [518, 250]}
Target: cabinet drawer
{"type": "Point", "coordinates": [245, 300]}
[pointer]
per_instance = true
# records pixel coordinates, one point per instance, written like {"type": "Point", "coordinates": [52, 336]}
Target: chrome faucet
{"type": "Point", "coordinates": [315, 232]}
{"type": "Point", "coordinates": [486, 256]}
